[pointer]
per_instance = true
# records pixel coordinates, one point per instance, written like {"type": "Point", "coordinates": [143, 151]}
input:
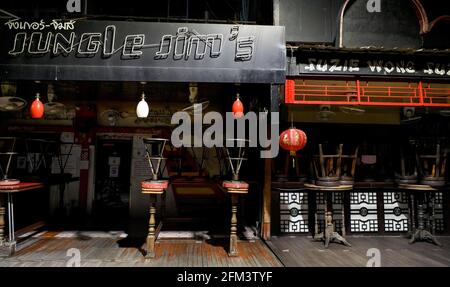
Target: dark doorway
{"type": "Point", "coordinates": [112, 180]}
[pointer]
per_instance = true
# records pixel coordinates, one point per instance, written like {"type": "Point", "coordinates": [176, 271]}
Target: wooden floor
{"type": "Point", "coordinates": [50, 249]}
{"type": "Point", "coordinates": [395, 251]}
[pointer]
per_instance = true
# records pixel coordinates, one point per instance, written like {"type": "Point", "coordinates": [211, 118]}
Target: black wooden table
{"type": "Point", "coordinates": [422, 200]}
{"type": "Point", "coordinates": [329, 234]}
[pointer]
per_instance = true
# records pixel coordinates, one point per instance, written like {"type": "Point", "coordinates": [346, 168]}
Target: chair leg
{"type": "Point", "coordinates": [151, 229]}
{"type": "Point", "coordinates": [2, 220]}
{"type": "Point", "coordinates": [233, 231]}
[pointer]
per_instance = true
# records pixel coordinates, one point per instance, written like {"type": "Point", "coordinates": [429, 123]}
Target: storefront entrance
{"type": "Point", "coordinates": [112, 179]}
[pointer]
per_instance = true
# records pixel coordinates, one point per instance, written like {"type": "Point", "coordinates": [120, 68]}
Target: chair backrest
{"type": "Point", "coordinates": [7, 151]}
{"type": "Point", "coordinates": [235, 153]}
{"type": "Point", "coordinates": [39, 153]}
{"type": "Point", "coordinates": [328, 165]}
{"type": "Point", "coordinates": [432, 164]}
{"type": "Point", "coordinates": [408, 161]}
{"type": "Point", "coordinates": [348, 163]}
{"type": "Point", "coordinates": [154, 148]}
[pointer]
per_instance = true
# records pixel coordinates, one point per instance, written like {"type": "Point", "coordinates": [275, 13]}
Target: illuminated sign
{"type": "Point", "coordinates": [122, 45]}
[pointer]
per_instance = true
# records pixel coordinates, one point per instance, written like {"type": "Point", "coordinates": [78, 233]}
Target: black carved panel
{"type": "Point", "coordinates": [294, 212]}
{"type": "Point", "coordinates": [395, 211]}
{"type": "Point", "coordinates": [363, 212]}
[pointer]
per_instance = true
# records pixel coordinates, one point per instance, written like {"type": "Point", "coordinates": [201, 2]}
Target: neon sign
{"type": "Point", "coordinates": [184, 44]}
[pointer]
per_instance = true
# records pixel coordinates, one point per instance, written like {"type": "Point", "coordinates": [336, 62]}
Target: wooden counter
{"type": "Point", "coordinates": [9, 191]}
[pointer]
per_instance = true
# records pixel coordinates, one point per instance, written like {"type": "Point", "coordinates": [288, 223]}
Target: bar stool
{"type": "Point", "coordinates": [154, 148]}
{"type": "Point", "coordinates": [235, 152]}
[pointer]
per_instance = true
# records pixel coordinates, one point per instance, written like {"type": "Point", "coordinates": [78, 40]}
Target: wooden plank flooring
{"type": "Point", "coordinates": [103, 249]}
{"type": "Point", "coordinates": [50, 249]}
{"type": "Point", "coordinates": [395, 251]}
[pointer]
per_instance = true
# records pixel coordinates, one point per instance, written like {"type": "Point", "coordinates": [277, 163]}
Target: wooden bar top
{"type": "Point", "coordinates": [417, 187]}
{"type": "Point", "coordinates": [328, 188]}
{"type": "Point", "coordinates": [294, 185]}
{"type": "Point", "coordinates": [23, 186]}
{"type": "Point", "coordinates": [375, 184]}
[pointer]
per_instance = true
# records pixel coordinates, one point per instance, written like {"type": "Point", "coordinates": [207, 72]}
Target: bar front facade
{"type": "Point", "coordinates": [115, 131]}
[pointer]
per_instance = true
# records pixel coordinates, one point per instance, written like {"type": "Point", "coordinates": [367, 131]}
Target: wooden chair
{"type": "Point", "coordinates": [327, 167]}
{"type": "Point", "coordinates": [348, 167]}
{"type": "Point", "coordinates": [432, 167]}
{"type": "Point", "coordinates": [154, 148]}
{"type": "Point", "coordinates": [408, 165]}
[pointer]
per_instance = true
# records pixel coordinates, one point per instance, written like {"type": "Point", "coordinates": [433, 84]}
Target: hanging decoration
{"type": "Point", "coordinates": [142, 109]}
{"type": "Point", "coordinates": [238, 107]}
{"type": "Point", "coordinates": [37, 108]}
{"type": "Point", "coordinates": [293, 140]}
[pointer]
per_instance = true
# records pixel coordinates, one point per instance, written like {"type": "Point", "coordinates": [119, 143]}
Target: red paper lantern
{"type": "Point", "coordinates": [238, 108]}
{"type": "Point", "coordinates": [37, 108]}
{"type": "Point", "coordinates": [293, 140]}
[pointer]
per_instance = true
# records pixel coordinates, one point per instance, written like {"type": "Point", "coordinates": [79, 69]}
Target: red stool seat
{"type": "Point", "coordinates": [154, 186]}
{"type": "Point", "coordinates": [236, 186]}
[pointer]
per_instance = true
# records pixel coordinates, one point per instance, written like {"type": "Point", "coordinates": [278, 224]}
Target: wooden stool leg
{"type": "Point", "coordinates": [151, 228]}
{"type": "Point", "coordinates": [329, 227]}
{"type": "Point", "coordinates": [316, 223]}
{"type": "Point", "coordinates": [233, 231]}
{"type": "Point", "coordinates": [163, 204]}
{"type": "Point", "coordinates": [432, 218]}
{"type": "Point", "coordinates": [343, 216]}
{"type": "Point", "coordinates": [2, 220]}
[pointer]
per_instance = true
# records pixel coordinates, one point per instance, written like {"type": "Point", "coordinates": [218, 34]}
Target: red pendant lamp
{"type": "Point", "coordinates": [37, 108]}
{"type": "Point", "coordinates": [238, 108]}
{"type": "Point", "coordinates": [293, 140]}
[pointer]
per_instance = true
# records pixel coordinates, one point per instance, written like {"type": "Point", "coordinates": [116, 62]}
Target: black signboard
{"type": "Point", "coordinates": [141, 51]}
{"type": "Point", "coordinates": [370, 64]}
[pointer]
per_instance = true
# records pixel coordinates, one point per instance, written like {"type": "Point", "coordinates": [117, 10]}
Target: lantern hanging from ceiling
{"type": "Point", "coordinates": [142, 109]}
{"type": "Point", "coordinates": [37, 108]}
{"type": "Point", "coordinates": [238, 108]}
{"type": "Point", "coordinates": [293, 140]}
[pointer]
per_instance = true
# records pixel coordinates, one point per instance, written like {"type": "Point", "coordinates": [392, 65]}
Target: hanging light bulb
{"type": "Point", "coordinates": [238, 107]}
{"type": "Point", "coordinates": [37, 108]}
{"type": "Point", "coordinates": [142, 109]}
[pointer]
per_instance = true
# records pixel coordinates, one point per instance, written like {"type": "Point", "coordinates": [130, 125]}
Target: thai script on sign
{"type": "Point", "coordinates": [16, 24]}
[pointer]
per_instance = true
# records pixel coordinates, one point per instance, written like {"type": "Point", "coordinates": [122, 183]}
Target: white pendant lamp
{"type": "Point", "coordinates": [142, 109]}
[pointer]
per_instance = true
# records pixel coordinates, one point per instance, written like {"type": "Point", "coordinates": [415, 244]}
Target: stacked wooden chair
{"type": "Point", "coordinates": [408, 173]}
{"type": "Point", "coordinates": [421, 175]}
{"type": "Point", "coordinates": [432, 167]}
